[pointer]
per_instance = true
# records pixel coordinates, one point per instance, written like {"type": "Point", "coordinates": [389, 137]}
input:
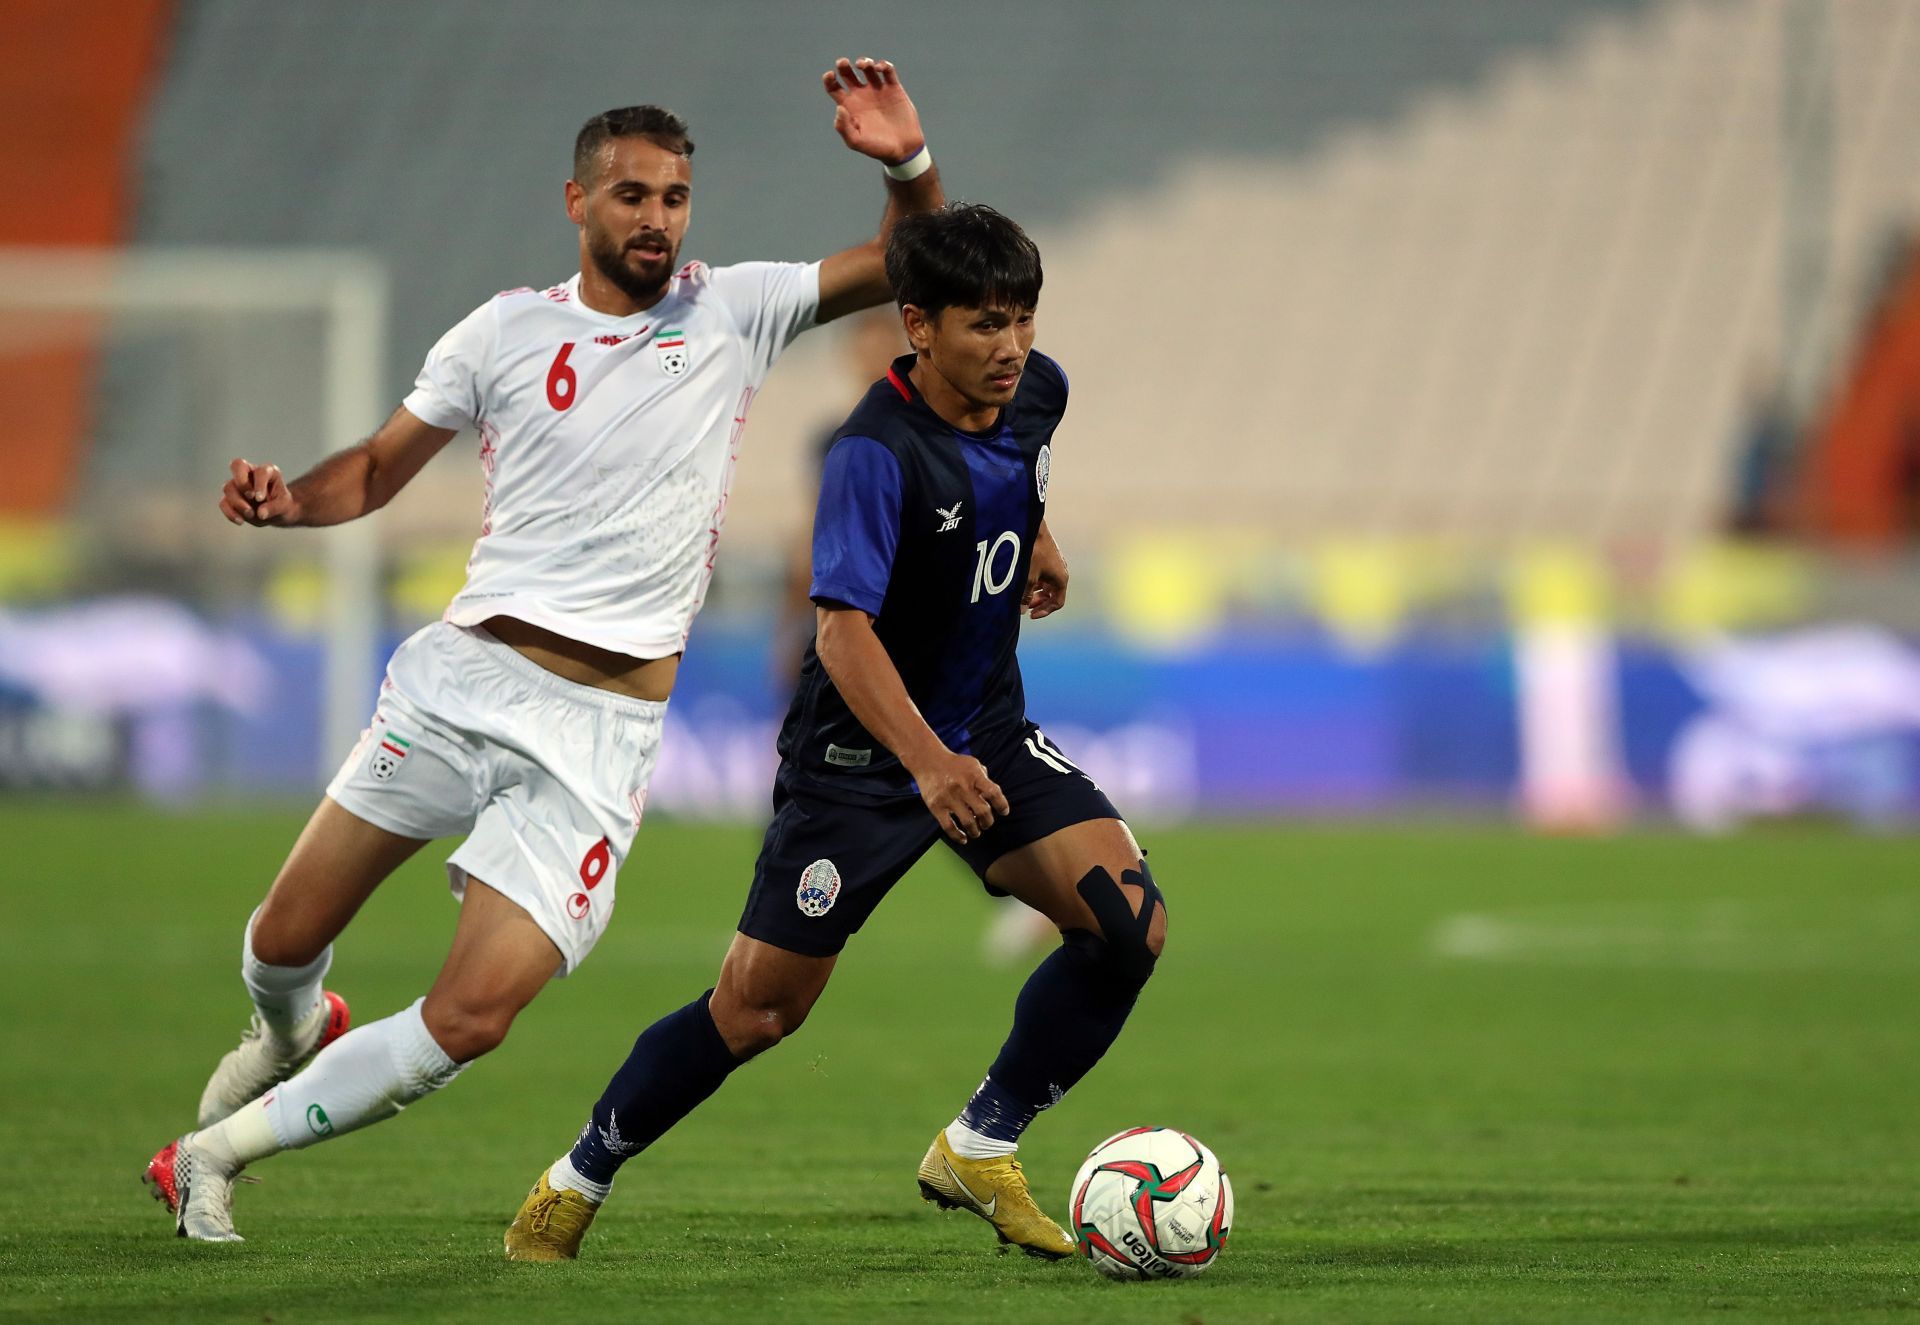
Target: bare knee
{"type": "Point", "coordinates": [752, 1026]}
{"type": "Point", "coordinates": [464, 1031]}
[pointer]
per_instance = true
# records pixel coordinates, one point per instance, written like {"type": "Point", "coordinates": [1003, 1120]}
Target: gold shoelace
{"type": "Point", "coordinates": [542, 1211]}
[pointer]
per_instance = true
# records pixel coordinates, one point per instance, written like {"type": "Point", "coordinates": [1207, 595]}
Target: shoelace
{"type": "Point", "coordinates": [542, 1212]}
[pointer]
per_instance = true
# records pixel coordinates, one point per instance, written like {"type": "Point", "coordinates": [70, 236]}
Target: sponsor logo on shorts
{"type": "Point", "coordinates": [845, 758]}
{"type": "Point", "coordinates": [318, 1122]}
{"type": "Point", "coordinates": [819, 888]}
{"type": "Point", "coordinates": [577, 906]}
{"type": "Point", "coordinates": [388, 756]}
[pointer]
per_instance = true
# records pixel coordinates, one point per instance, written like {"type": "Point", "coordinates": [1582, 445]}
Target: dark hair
{"type": "Point", "coordinates": [965, 255]}
{"type": "Point", "coordinates": [656, 124]}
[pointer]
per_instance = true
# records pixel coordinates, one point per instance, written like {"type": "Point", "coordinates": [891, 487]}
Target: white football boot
{"type": "Point", "coordinates": [264, 1060]}
{"type": "Point", "coordinates": [197, 1188]}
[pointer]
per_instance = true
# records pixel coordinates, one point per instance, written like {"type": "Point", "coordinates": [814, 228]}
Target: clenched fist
{"type": "Point", "coordinates": [257, 495]}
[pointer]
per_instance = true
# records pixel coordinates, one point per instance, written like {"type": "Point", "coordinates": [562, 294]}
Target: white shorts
{"type": "Point", "coordinates": [547, 778]}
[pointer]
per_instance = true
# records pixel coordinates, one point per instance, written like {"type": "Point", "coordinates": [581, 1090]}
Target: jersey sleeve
{"type": "Point", "coordinates": [448, 393]}
{"type": "Point", "coordinates": [856, 527]}
{"type": "Point", "coordinates": [1050, 381]}
{"type": "Point", "coordinates": [771, 303]}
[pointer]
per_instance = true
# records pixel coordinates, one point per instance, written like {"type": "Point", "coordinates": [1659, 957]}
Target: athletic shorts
{"type": "Point", "coordinates": [546, 778]}
{"type": "Point", "coordinates": [825, 864]}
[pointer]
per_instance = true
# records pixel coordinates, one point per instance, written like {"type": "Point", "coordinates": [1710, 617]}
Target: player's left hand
{"type": "Point", "coordinates": [872, 111]}
{"type": "Point", "coordinates": [1046, 578]}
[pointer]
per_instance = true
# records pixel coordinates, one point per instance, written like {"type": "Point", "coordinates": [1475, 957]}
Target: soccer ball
{"type": "Point", "coordinates": [1151, 1203]}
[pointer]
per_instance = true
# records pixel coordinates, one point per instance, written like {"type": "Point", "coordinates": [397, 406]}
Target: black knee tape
{"type": "Point", "coordinates": [1120, 951]}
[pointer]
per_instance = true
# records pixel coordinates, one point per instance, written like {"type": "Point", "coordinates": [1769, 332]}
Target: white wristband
{"type": "Point", "coordinates": [913, 167]}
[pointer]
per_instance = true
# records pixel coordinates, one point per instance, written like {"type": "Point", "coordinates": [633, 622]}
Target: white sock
{"type": "Point", "coordinates": [970, 1144]}
{"type": "Point", "coordinates": [242, 1136]}
{"type": "Point", "coordinates": [567, 1178]}
{"type": "Point", "coordinates": [284, 996]}
{"type": "Point", "coordinates": [370, 1073]}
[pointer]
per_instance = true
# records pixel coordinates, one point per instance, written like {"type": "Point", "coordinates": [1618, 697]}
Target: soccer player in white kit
{"type": "Point", "coordinates": [610, 410]}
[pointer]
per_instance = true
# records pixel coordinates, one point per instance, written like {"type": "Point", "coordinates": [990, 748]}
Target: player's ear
{"type": "Point", "coordinates": [576, 202]}
{"type": "Point", "coordinates": [919, 327]}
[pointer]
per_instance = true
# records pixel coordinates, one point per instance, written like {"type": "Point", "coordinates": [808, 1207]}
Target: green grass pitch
{"type": "Point", "coordinates": [1456, 1075]}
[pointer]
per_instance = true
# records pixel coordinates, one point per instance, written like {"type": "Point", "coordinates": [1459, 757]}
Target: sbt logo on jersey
{"type": "Point", "coordinates": [671, 346]}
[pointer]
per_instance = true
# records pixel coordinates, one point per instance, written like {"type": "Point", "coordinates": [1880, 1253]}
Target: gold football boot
{"type": "Point", "coordinates": [550, 1224]}
{"type": "Point", "coordinates": [996, 1190]}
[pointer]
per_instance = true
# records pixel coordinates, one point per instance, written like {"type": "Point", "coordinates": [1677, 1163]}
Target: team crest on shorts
{"type": "Point", "coordinates": [671, 346]}
{"type": "Point", "coordinates": [819, 887]}
{"type": "Point", "coordinates": [388, 756]}
{"type": "Point", "coordinates": [1042, 470]}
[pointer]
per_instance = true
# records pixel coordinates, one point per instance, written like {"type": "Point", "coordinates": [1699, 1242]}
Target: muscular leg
{"type": "Point", "coordinates": [500, 959]}
{"type": "Point", "coordinates": [761, 997]}
{"type": "Point", "coordinates": [286, 950]}
{"type": "Point", "coordinates": [1091, 880]}
{"type": "Point", "coordinates": [333, 868]}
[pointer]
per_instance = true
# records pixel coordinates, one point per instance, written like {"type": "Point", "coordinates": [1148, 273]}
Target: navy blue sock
{"type": "Point", "coordinates": [1071, 1009]}
{"type": "Point", "coordinates": [675, 1064]}
{"type": "Point", "coordinates": [1068, 1014]}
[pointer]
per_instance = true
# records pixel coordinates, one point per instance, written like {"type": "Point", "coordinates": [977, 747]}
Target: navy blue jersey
{"type": "Point", "coordinates": [928, 529]}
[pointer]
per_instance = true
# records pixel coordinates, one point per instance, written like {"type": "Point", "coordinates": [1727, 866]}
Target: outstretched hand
{"type": "Point", "coordinates": [872, 111]}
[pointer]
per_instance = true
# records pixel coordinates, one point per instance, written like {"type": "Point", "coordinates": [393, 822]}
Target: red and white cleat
{"type": "Point", "coordinates": [196, 1189]}
{"type": "Point", "coordinates": [262, 1061]}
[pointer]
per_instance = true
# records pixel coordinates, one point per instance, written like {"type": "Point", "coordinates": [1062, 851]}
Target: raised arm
{"type": "Point", "coordinates": [876, 118]}
{"type": "Point", "coordinates": [956, 788]}
{"type": "Point", "coordinates": [344, 486]}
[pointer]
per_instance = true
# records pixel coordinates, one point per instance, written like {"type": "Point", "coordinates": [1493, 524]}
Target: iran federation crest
{"type": "Point", "coordinates": [671, 346]}
{"type": "Point", "coordinates": [1042, 470]}
{"type": "Point", "coordinates": [388, 756]}
{"type": "Point", "coordinates": [819, 888]}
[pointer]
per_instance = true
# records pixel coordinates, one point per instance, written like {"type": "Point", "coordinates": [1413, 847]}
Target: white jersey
{"type": "Point", "coordinates": [608, 444]}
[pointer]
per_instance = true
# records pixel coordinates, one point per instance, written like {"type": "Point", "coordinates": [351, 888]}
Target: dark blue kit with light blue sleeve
{"type": "Point", "coordinates": [929, 530]}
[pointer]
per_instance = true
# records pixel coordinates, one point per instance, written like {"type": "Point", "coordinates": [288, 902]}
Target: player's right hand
{"type": "Point", "coordinates": [871, 110]}
{"type": "Point", "coordinates": [256, 495]}
{"type": "Point", "coordinates": [962, 798]}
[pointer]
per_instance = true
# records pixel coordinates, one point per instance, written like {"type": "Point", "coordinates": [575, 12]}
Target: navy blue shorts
{"type": "Point", "coordinates": [825, 863]}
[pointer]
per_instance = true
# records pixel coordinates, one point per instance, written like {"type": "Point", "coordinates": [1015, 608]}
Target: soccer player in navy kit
{"type": "Point", "coordinates": [910, 723]}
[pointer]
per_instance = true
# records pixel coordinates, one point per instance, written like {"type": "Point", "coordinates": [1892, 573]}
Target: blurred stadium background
{"type": "Point", "coordinates": [1490, 416]}
{"type": "Point", "coordinates": [1486, 407]}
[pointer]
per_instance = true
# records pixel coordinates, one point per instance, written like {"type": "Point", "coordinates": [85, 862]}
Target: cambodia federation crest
{"type": "Point", "coordinates": [819, 888]}
{"type": "Point", "coordinates": [671, 346]}
{"type": "Point", "coordinates": [1042, 470]}
{"type": "Point", "coordinates": [388, 756]}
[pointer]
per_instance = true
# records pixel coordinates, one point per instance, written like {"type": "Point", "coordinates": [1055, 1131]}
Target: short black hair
{"type": "Point", "coordinates": [964, 255]}
{"type": "Point", "coordinates": [656, 124]}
